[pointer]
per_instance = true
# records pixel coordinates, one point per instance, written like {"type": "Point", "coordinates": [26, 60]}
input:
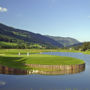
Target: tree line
{"type": "Point", "coordinates": [84, 47]}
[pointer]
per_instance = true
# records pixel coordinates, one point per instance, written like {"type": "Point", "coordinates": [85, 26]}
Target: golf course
{"type": "Point", "coordinates": [11, 59]}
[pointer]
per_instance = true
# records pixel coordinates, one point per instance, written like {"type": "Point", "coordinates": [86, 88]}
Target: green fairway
{"type": "Point", "coordinates": [16, 61]}
{"type": "Point", "coordinates": [24, 51]}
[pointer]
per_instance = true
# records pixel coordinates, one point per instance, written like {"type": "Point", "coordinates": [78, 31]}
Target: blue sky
{"type": "Point", "coordinates": [66, 18]}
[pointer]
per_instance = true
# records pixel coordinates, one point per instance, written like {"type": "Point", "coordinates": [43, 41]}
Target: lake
{"type": "Point", "coordinates": [68, 81]}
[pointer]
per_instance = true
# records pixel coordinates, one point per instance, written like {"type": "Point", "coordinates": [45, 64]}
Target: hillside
{"type": "Point", "coordinates": [25, 38]}
{"type": "Point", "coordinates": [76, 45]}
{"type": "Point", "coordinates": [65, 41]}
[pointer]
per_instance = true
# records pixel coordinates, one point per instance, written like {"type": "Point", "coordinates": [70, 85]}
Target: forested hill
{"type": "Point", "coordinates": [23, 38]}
{"type": "Point", "coordinates": [65, 41]}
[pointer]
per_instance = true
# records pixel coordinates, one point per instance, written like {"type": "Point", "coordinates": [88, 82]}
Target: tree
{"type": "Point", "coordinates": [85, 46]}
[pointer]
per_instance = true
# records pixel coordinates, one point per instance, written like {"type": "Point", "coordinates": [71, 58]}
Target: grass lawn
{"type": "Point", "coordinates": [16, 61]}
{"type": "Point", "coordinates": [86, 52]}
{"type": "Point", "coordinates": [24, 51]}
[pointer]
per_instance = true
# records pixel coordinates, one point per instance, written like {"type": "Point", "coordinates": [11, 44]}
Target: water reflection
{"type": "Point", "coordinates": [53, 71]}
{"type": "Point", "coordinates": [2, 83]}
{"type": "Point", "coordinates": [11, 71]}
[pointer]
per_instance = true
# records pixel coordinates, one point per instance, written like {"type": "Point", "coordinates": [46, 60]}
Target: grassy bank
{"type": "Point", "coordinates": [86, 52]}
{"type": "Point", "coordinates": [16, 61]}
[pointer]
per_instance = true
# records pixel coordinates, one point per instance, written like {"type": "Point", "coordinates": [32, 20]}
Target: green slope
{"type": "Point", "coordinates": [9, 34]}
{"type": "Point", "coordinates": [65, 41]}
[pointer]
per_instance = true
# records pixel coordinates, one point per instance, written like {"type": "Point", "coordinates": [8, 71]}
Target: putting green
{"type": "Point", "coordinates": [16, 61]}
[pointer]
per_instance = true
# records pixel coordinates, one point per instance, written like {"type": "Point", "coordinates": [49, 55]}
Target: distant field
{"type": "Point", "coordinates": [24, 51]}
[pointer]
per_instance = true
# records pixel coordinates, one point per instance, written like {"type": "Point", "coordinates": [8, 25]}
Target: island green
{"type": "Point", "coordinates": [16, 61]}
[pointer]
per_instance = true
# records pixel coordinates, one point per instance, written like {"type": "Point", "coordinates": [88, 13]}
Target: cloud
{"type": "Point", "coordinates": [3, 9]}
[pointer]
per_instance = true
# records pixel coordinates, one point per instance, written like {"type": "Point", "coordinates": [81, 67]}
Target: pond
{"type": "Point", "coordinates": [36, 81]}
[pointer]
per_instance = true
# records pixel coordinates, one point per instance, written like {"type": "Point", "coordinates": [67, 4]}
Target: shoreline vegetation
{"type": "Point", "coordinates": [10, 58]}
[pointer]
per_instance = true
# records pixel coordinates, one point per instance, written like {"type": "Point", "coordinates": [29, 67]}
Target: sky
{"type": "Point", "coordinates": [65, 18]}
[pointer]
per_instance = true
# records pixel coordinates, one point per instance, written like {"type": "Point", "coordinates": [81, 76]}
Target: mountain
{"type": "Point", "coordinates": [17, 36]}
{"type": "Point", "coordinates": [76, 45]}
{"type": "Point", "coordinates": [65, 41]}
